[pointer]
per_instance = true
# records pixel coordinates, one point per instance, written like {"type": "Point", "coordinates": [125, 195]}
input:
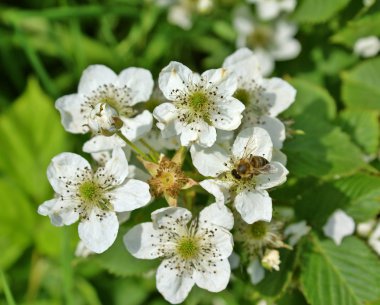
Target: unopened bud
{"type": "Point", "coordinates": [271, 260]}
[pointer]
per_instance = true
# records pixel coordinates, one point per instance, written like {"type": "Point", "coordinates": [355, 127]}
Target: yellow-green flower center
{"type": "Point", "coordinates": [90, 191]}
{"type": "Point", "coordinates": [259, 229]}
{"type": "Point", "coordinates": [188, 247]}
{"type": "Point", "coordinates": [242, 95]}
{"type": "Point", "coordinates": [260, 37]}
{"type": "Point", "coordinates": [198, 100]}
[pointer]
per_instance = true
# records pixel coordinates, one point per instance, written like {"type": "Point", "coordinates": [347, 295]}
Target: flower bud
{"type": "Point", "coordinates": [271, 260]}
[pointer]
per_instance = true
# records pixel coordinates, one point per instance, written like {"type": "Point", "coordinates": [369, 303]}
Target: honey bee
{"type": "Point", "coordinates": [249, 166]}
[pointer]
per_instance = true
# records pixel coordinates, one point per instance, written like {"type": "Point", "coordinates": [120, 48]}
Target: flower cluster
{"type": "Point", "coordinates": [227, 119]}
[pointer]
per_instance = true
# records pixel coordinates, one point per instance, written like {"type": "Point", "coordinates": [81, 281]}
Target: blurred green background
{"type": "Point", "coordinates": [45, 46]}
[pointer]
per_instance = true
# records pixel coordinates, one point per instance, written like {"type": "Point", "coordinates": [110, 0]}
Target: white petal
{"type": "Point", "coordinates": [99, 234]}
{"type": "Point", "coordinates": [367, 46]}
{"type": "Point", "coordinates": [279, 156]}
{"type": "Point", "coordinates": [136, 127]}
{"type": "Point", "coordinates": [223, 79]}
{"type": "Point", "coordinates": [122, 217]}
{"type": "Point", "coordinates": [172, 215]}
{"type": "Point", "coordinates": [227, 115]}
{"type": "Point", "coordinates": [276, 176]}
{"type": "Point", "coordinates": [131, 195]}
{"type": "Point", "coordinates": [95, 76]}
{"type": "Point", "coordinates": [218, 215]}
{"type": "Point", "coordinates": [116, 169]}
{"type": "Point", "coordinates": [268, 9]}
{"type": "Point", "coordinates": [256, 271]}
{"type": "Point", "coordinates": [209, 161]}
{"type": "Point", "coordinates": [198, 132]}
{"type": "Point", "coordinates": [295, 232]}
{"type": "Point", "coordinates": [65, 167]}
{"type": "Point", "coordinates": [142, 241]}
{"type": "Point", "coordinates": [245, 65]}
{"type": "Point", "coordinates": [254, 206]}
{"type": "Point", "coordinates": [138, 80]}
{"type": "Point", "coordinates": [101, 143]}
{"type": "Point", "coordinates": [61, 212]}
{"type": "Point", "coordinates": [180, 16]}
{"type": "Point", "coordinates": [338, 226]}
{"type": "Point", "coordinates": [253, 141]}
{"type": "Point", "coordinates": [273, 126]}
{"type": "Point", "coordinates": [234, 260]}
{"type": "Point", "coordinates": [69, 106]}
{"type": "Point", "coordinates": [211, 281]}
{"type": "Point", "coordinates": [218, 190]}
{"type": "Point", "coordinates": [266, 61]}
{"type": "Point", "coordinates": [166, 114]}
{"type": "Point", "coordinates": [174, 76]}
{"type": "Point", "coordinates": [171, 284]}
{"type": "Point", "coordinates": [279, 95]}
{"type": "Point", "coordinates": [243, 20]}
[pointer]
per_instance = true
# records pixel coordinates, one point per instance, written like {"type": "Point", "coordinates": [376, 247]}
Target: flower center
{"type": "Point", "coordinates": [243, 96]}
{"type": "Point", "coordinates": [90, 191]}
{"type": "Point", "coordinates": [260, 37]}
{"type": "Point", "coordinates": [188, 247]}
{"type": "Point", "coordinates": [198, 100]}
{"type": "Point", "coordinates": [259, 229]}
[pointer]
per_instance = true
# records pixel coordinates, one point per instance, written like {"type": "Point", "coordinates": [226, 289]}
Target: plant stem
{"type": "Point", "coordinates": [153, 153]}
{"type": "Point", "coordinates": [7, 291]}
{"type": "Point", "coordinates": [134, 147]}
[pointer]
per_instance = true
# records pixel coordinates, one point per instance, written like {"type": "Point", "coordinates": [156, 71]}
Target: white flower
{"type": "Point", "coordinates": [193, 252]}
{"type": "Point", "coordinates": [296, 231]}
{"type": "Point", "coordinates": [270, 9]}
{"type": "Point", "coordinates": [263, 98]}
{"type": "Point", "coordinates": [271, 260]}
{"type": "Point", "coordinates": [256, 271]}
{"type": "Point", "coordinates": [200, 104]}
{"type": "Point", "coordinates": [374, 239]}
{"type": "Point", "coordinates": [270, 42]}
{"type": "Point", "coordinates": [364, 229]}
{"type": "Point", "coordinates": [92, 197]}
{"type": "Point", "coordinates": [338, 226]}
{"type": "Point", "coordinates": [367, 46]}
{"type": "Point", "coordinates": [246, 172]}
{"type": "Point", "coordinates": [105, 103]}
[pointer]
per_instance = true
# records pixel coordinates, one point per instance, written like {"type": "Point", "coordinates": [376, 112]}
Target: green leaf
{"type": "Point", "coordinates": [16, 223]}
{"type": "Point", "coordinates": [363, 127]}
{"type": "Point", "coordinates": [316, 11]}
{"type": "Point", "coordinates": [339, 275]}
{"type": "Point", "coordinates": [359, 28]}
{"type": "Point", "coordinates": [311, 95]}
{"type": "Point", "coordinates": [118, 261]}
{"type": "Point", "coordinates": [31, 135]}
{"type": "Point", "coordinates": [360, 88]}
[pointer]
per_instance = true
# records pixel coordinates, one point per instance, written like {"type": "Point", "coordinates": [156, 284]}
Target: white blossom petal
{"type": "Point", "coordinates": [199, 132]}
{"type": "Point", "coordinates": [177, 215]}
{"type": "Point", "coordinates": [98, 234]}
{"type": "Point", "coordinates": [95, 76]}
{"type": "Point", "coordinates": [217, 189]}
{"type": "Point", "coordinates": [174, 77]}
{"type": "Point", "coordinates": [61, 212]}
{"type": "Point", "coordinates": [273, 126]}
{"type": "Point", "coordinates": [255, 141]}
{"type": "Point", "coordinates": [266, 61]}
{"type": "Point", "coordinates": [209, 161]}
{"type": "Point", "coordinates": [276, 176]}
{"type": "Point", "coordinates": [227, 115]}
{"type": "Point", "coordinates": [142, 241]}
{"type": "Point", "coordinates": [218, 215]}
{"type": "Point", "coordinates": [100, 143]}
{"type": "Point", "coordinates": [140, 81]}
{"type": "Point", "coordinates": [131, 195]}
{"type": "Point", "coordinates": [279, 156]}
{"type": "Point", "coordinates": [211, 281]}
{"type": "Point", "coordinates": [296, 231]}
{"type": "Point", "coordinates": [173, 286]}
{"type": "Point", "coordinates": [256, 271]}
{"type": "Point", "coordinates": [254, 206]}
{"type": "Point", "coordinates": [136, 127]}
{"type": "Point", "coordinates": [69, 106]}
{"type": "Point", "coordinates": [280, 95]}
{"type": "Point", "coordinates": [338, 226]}
{"type": "Point", "coordinates": [67, 166]}
{"type": "Point", "coordinates": [222, 79]}
{"type": "Point", "coordinates": [115, 170]}
{"type": "Point", "coordinates": [165, 114]}
{"type": "Point", "coordinates": [367, 46]}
